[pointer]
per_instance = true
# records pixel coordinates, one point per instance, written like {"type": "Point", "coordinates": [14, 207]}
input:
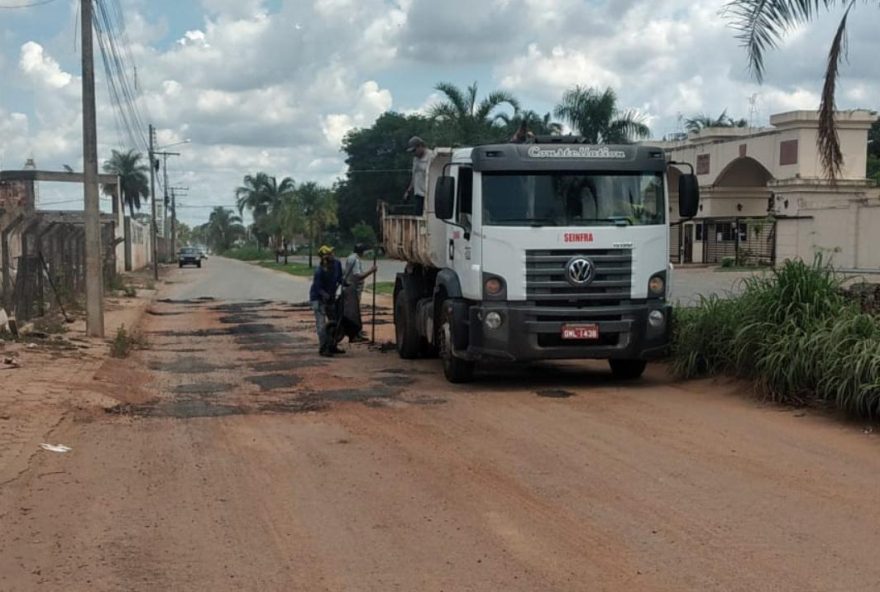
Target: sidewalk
{"type": "Point", "coordinates": [55, 381]}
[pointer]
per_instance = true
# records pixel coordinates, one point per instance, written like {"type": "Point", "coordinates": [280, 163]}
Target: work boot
{"type": "Point", "coordinates": [325, 353]}
{"type": "Point", "coordinates": [335, 350]}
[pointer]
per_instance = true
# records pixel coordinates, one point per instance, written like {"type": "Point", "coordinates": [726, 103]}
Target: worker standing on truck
{"type": "Point", "coordinates": [354, 277]}
{"type": "Point", "coordinates": [327, 278]}
{"type": "Point", "coordinates": [418, 184]}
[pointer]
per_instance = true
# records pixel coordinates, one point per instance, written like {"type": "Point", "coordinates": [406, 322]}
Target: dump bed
{"type": "Point", "coordinates": [417, 239]}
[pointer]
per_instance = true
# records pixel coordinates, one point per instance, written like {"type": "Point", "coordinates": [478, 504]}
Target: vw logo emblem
{"type": "Point", "coordinates": [580, 271]}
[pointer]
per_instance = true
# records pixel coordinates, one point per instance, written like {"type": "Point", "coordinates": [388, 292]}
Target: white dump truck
{"type": "Point", "coordinates": [541, 251]}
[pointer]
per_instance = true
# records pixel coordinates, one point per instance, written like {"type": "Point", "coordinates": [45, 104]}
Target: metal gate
{"type": "Point", "coordinates": [746, 241]}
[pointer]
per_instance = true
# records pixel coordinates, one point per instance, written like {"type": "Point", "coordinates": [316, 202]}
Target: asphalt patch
{"type": "Point", "coordinates": [554, 393]}
{"type": "Point", "coordinates": [357, 395]}
{"type": "Point", "coordinates": [239, 318]}
{"type": "Point", "coordinates": [274, 382]}
{"type": "Point", "coordinates": [202, 388]}
{"type": "Point", "coordinates": [395, 380]}
{"type": "Point", "coordinates": [288, 366]}
{"type": "Point", "coordinates": [185, 365]}
{"type": "Point", "coordinates": [296, 405]}
{"type": "Point", "coordinates": [157, 313]}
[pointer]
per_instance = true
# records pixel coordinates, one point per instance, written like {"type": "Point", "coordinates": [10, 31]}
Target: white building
{"type": "Point", "coordinates": [764, 197]}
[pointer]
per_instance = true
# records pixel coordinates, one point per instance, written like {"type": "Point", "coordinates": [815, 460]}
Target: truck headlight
{"type": "Point", "coordinates": [657, 286]}
{"type": "Point", "coordinates": [656, 319]}
{"type": "Point", "coordinates": [493, 320]}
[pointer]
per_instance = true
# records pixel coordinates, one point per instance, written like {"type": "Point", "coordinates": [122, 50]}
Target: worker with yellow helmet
{"type": "Point", "coordinates": [327, 278]}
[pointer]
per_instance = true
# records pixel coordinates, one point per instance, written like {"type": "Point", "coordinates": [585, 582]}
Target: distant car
{"type": "Point", "coordinates": [189, 256]}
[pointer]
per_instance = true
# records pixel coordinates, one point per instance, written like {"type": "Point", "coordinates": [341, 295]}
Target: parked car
{"type": "Point", "coordinates": [189, 256]}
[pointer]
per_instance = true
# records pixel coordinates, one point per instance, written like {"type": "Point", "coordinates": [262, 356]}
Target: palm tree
{"type": "Point", "coordinates": [133, 175]}
{"type": "Point", "coordinates": [316, 206]}
{"type": "Point", "coordinates": [763, 23]}
{"type": "Point", "coordinates": [263, 196]}
{"type": "Point", "coordinates": [223, 229]}
{"type": "Point", "coordinates": [540, 125]}
{"type": "Point", "coordinates": [703, 121]}
{"type": "Point", "coordinates": [594, 115]}
{"type": "Point", "coordinates": [472, 120]}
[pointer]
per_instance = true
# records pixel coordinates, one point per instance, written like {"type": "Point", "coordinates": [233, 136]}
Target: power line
{"type": "Point", "coordinates": [28, 5]}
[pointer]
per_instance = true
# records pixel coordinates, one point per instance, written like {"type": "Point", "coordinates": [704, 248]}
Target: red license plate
{"type": "Point", "coordinates": [580, 331]}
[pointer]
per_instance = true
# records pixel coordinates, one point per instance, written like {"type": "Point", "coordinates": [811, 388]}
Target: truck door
{"type": "Point", "coordinates": [464, 247]}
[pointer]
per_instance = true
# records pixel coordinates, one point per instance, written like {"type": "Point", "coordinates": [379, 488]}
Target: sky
{"type": "Point", "coordinates": [274, 85]}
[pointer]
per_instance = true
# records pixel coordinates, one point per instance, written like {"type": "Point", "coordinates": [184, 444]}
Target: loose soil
{"type": "Point", "coordinates": [366, 472]}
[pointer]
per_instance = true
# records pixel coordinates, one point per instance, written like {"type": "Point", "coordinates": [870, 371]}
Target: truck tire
{"type": "Point", "coordinates": [455, 369]}
{"type": "Point", "coordinates": [405, 330]}
{"type": "Point", "coordinates": [627, 369]}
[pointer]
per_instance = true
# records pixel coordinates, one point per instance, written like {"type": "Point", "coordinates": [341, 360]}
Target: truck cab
{"type": "Point", "coordinates": [537, 252]}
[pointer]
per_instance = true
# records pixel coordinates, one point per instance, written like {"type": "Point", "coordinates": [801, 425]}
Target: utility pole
{"type": "Point", "coordinates": [174, 191]}
{"type": "Point", "coordinates": [91, 205]}
{"type": "Point", "coordinates": [169, 248]}
{"type": "Point", "coordinates": [154, 227]}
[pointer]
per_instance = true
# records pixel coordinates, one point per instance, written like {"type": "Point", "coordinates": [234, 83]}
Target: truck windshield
{"type": "Point", "coordinates": [566, 199]}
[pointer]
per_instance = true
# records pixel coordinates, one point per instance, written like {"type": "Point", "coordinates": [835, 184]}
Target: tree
{"type": "Point", "coordinates": [703, 121]}
{"type": "Point", "coordinates": [762, 24]}
{"type": "Point", "coordinates": [317, 206]}
{"type": "Point", "coordinates": [594, 115]}
{"type": "Point", "coordinates": [472, 121]}
{"type": "Point", "coordinates": [379, 166]}
{"type": "Point", "coordinates": [364, 234]}
{"type": "Point", "coordinates": [540, 125]}
{"type": "Point", "coordinates": [184, 234]}
{"type": "Point", "coordinates": [223, 229]}
{"type": "Point", "coordinates": [134, 175]}
{"type": "Point", "coordinates": [263, 196]}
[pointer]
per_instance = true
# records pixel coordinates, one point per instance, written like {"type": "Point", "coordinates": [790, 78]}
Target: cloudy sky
{"type": "Point", "coordinates": [275, 84]}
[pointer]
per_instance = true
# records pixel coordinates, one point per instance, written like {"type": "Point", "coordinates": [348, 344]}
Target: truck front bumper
{"type": "Point", "coordinates": [530, 333]}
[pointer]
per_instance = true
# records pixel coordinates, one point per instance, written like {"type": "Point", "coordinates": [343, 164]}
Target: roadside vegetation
{"type": "Point", "coordinates": [126, 342]}
{"type": "Point", "coordinates": [795, 333]}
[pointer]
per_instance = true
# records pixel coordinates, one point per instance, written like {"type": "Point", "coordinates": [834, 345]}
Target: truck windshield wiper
{"type": "Point", "coordinates": [616, 220]}
{"type": "Point", "coordinates": [534, 222]}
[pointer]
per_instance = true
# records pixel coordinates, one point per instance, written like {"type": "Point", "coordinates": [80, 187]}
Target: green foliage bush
{"type": "Point", "coordinates": [794, 333]}
{"type": "Point", "coordinates": [249, 253]}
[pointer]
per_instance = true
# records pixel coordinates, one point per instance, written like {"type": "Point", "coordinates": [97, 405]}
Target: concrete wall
{"type": "Point", "coordinates": [138, 246]}
{"type": "Point", "coordinates": [844, 231]}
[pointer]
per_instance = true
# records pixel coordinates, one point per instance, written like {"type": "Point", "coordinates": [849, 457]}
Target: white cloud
{"type": "Point", "coordinates": [41, 68]}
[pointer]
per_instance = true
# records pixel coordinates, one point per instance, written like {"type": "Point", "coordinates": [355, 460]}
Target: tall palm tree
{"type": "Point", "coordinates": [472, 120]}
{"type": "Point", "coordinates": [223, 229]}
{"type": "Point", "coordinates": [702, 121]}
{"type": "Point", "coordinates": [134, 175]}
{"type": "Point", "coordinates": [540, 125]}
{"type": "Point", "coordinates": [763, 23]}
{"type": "Point", "coordinates": [594, 115]}
{"type": "Point", "coordinates": [263, 196]}
{"type": "Point", "coordinates": [317, 208]}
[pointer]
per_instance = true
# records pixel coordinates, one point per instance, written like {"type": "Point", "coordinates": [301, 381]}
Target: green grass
{"type": "Point", "coordinates": [249, 253]}
{"type": "Point", "coordinates": [298, 269]}
{"type": "Point", "coordinates": [382, 287]}
{"type": "Point", "coordinates": [794, 333]}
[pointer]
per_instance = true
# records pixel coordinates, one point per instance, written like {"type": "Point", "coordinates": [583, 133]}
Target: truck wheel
{"type": "Point", "coordinates": [199, 264]}
{"type": "Point", "coordinates": [627, 369]}
{"type": "Point", "coordinates": [455, 369]}
{"type": "Point", "coordinates": [408, 340]}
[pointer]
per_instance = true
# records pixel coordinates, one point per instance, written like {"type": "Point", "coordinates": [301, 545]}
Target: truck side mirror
{"type": "Point", "coordinates": [688, 195]}
{"type": "Point", "coordinates": [444, 198]}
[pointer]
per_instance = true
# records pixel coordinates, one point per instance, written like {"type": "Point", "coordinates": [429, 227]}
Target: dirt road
{"type": "Point", "coordinates": [237, 459]}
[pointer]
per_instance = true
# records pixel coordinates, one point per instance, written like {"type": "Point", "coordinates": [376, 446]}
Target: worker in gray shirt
{"type": "Point", "coordinates": [353, 279]}
{"type": "Point", "coordinates": [418, 184]}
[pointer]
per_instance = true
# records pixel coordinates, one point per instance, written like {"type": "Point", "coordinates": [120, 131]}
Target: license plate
{"type": "Point", "coordinates": [580, 331]}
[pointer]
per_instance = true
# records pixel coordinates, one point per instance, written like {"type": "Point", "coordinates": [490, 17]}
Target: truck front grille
{"type": "Point", "coordinates": [546, 283]}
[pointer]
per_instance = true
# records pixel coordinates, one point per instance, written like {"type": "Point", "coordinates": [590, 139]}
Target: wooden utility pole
{"type": "Point", "coordinates": [154, 230]}
{"type": "Point", "coordinates": [92, 205]}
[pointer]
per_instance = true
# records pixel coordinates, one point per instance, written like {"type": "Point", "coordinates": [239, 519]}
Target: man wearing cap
{"type": "Point", "coordinates": [418, 184]}
{"type": "Point", "coordinates": [354, 278]}
{"type": "Point", "coordinates": [327, 278]}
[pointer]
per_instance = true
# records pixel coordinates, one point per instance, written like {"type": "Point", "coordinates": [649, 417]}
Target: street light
{"type": "Point", "coordinates": [159, 148]}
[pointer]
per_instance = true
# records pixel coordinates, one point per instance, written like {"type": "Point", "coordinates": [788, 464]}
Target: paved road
{"type": "Point", "coordinates": [228, 279]}
{"type": "Point", "coordinates": [235, 458]}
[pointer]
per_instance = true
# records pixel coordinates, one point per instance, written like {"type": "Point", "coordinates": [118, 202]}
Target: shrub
{"type": "Point", "coordinates": [125, 342]}
{"type": "Point", "coordinates": [249, 253]}
{"type": "Point", "coordinates": [794, 333]}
